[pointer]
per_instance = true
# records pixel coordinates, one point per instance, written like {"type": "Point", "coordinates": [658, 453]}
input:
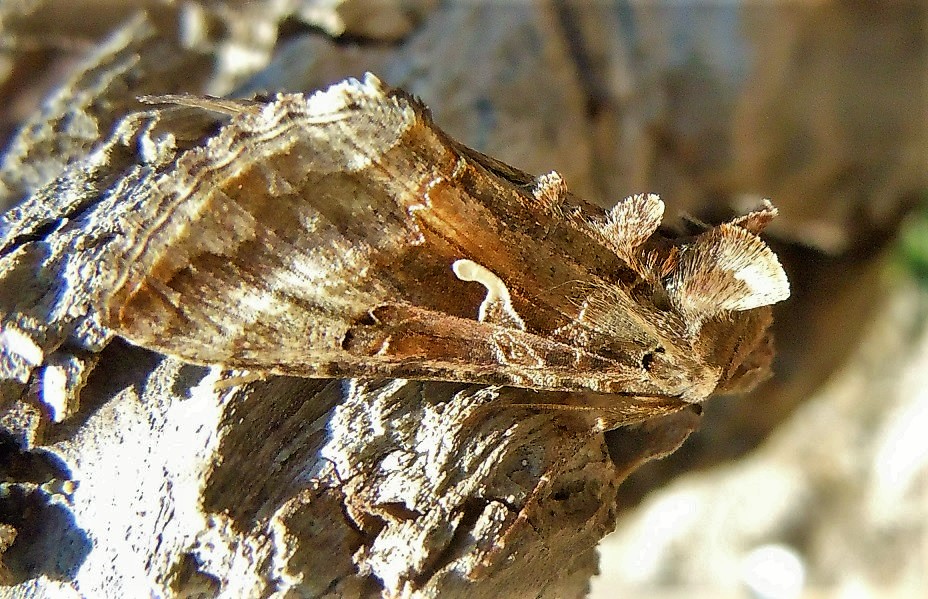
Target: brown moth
{"type": "Point", "coordinates": [343, 234]}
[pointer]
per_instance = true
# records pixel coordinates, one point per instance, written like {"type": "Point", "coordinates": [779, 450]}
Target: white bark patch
{"type": "Point", "coordinates": [55, 391]}
{"type": "Point", "coordinates": [14, 341]}
{"type": "Point", "coordinates": [497, 306]}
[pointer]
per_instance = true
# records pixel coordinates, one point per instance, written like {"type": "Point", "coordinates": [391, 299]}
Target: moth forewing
{"type": "Point", "coordinates": [344, 234]}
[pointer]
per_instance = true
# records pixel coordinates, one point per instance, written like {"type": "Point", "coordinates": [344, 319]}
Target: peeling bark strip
{"type": "Point", "coordinates": [339, 235]}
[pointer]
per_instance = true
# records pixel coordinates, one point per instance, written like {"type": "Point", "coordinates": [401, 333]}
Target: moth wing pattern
{"type": "Point", "coordinates": [343, 234]}
{"type": "Point", "coordinates": [289, 243]}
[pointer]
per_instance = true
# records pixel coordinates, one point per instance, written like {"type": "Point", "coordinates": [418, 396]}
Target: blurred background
{"type": "Point", "coordinates": [815, 485]}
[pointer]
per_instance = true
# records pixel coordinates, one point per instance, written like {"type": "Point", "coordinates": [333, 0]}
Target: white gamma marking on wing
{"type": "Point", "coordinates": [497, 307]}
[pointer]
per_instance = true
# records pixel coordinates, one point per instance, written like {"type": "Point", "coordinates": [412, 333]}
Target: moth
{"type": "Point", "coordinates": [343, 234]}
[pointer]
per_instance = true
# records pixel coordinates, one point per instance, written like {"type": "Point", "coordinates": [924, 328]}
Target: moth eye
{"type": "Point", "coordinates": [647, 360]}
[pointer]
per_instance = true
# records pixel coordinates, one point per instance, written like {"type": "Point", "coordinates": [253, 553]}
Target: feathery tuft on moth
{"type": "Point", "coordinates": [344, 234]}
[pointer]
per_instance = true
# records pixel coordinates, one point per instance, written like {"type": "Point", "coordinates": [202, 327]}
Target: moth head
{"type": "Point", "coordinates": [723, 285]}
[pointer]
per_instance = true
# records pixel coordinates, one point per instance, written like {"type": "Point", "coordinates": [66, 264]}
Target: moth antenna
{"type": "Point", "coordinates": [692, 223]}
